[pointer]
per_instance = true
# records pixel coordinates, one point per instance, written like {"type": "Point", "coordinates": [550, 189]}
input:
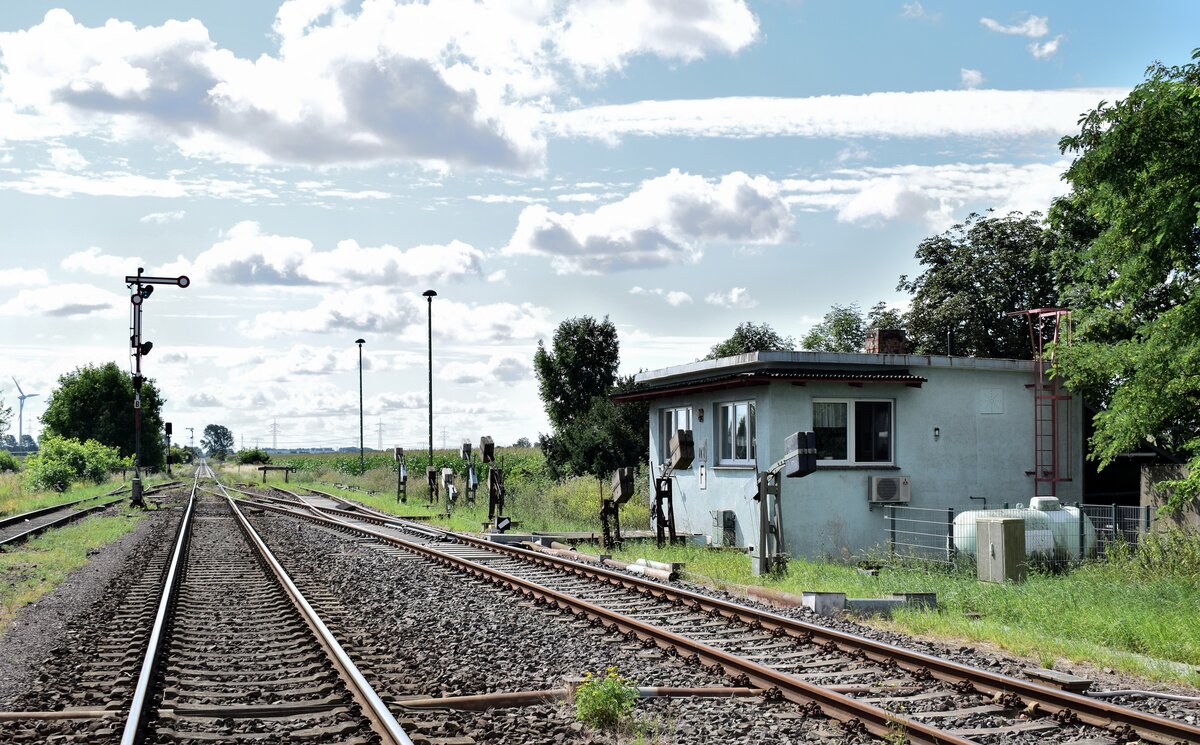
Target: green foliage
{"type": "Point", "coordinates": [1128, 250]}
{"type": "Point", "coordinates": [749, 337]}
{"type": "Point", "coordinates": [253, 455]}
{"type": "Point", "coordinates": [592, 435]}
{"type": "Point", "coordinates": [8, 462]}
{"type": "Point", "coordinates": [5, 417]}
{"type": "Point", "coordinates": [603, 701]}
{"type": "Point", "coordinates": [96, 403]}
{"type": "Point", "coordinates": [181, 455]}
{"type": "Point", "coordinates": [522, 442]}
{"type": "Point", "coordinates": [844, 328]}
{"type": "Point", "coordinates": [62, 461]}
{"type": "Point", "coordinates": [974, 274]}
{"type": "Point", "coordinates": [217, 441]}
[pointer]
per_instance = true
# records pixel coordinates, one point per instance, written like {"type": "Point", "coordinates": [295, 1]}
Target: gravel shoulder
{"type": "Point", "coordinates": [46, 623]}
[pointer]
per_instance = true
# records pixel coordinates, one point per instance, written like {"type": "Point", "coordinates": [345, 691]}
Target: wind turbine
{"type": "Point", "coordinates": [21, 411]}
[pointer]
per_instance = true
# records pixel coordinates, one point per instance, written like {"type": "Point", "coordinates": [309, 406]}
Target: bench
{"type": "Point", "coordinates": [286, 470]}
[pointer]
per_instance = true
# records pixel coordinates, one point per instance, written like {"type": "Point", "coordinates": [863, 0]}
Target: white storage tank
{"type": "Point", "coordinates": [1052, 531]}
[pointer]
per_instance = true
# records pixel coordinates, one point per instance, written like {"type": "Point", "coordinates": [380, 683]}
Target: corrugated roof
{"type": "Point", "coordinates": [765, 377]}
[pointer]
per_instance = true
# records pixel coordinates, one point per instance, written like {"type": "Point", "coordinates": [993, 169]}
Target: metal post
{"type": "Point", "coordinates": [951, 550]}
{"type": "Point", "coordinates": [429, 295]}
{"type": "Point", "coordinates": [1082, 533]}
{"type": "Point", "coordinates": [362, 462]}
{"type": "Point", "coordinates": [167, 439]}
{"type": "Point", "coordinates": [1146, 509]}
{"type": "Point", "coordinates": [1113, 517]}
{"type": "Point", "coordinates": [891, 516]}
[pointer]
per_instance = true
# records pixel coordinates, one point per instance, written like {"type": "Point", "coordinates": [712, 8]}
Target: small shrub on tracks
{"type": "Point", "coordinates": [602, 702]}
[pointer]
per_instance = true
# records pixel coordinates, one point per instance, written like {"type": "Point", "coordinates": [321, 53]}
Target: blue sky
{"type": "Point", "coordinates": [677, 166]}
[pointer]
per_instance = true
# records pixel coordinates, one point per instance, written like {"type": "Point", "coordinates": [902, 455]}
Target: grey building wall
{"type": "Point", "coordinates": [983, 410]}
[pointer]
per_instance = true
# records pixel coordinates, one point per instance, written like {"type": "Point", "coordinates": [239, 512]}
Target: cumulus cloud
{"type": "Point", "coordinates": [23, 277]}
{"type": "Point", "coordinates": [970, 78]}
{"type": "Point", "coordinates": [67, 159]}
{"type": "Point", "coordinates": [67, 301]}
{"type": "Point", "coordinates": [1035, 27]}
{"type": "Point", "coordinates": [663, 222]}
{"type": "Point", "coordinates": [928, 194]}
{"type": "Point", "coordinates": [498, 369]}
{"type": "Point", "coordinates": [970, 113]}
{"type": "Point", "coordinates": [94, 261]}
{"type": "Point", "coordinates": [672, 297]}
{"type": "Point", "coordinates": [917, 11]}
{"type": "Point", "coordinates": [203, 401]}
{"type": "Point", "coordinates": [382, 310]}
{"type": "Point", "coordinates": [162, 218]}
{"type": "Point", "coordinates": [737, 297]}
{"type": "Point", "coordinates": [62, 184]}
{"type": "Point", "coordinates": [249, 256]}
{"type": "Point", "coordinates": [444, 83]}
{"type": "Point", "coordinates": [1046, 49]}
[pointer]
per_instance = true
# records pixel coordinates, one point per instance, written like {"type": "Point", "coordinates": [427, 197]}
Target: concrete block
{"type": "Point", "coordinates": [920, 600]}
{"type": "Point", "coordinates": [824, 603]}
{"type": "Point", "coordinates": [509, 538]}
{"type": "Point", "coordinates": [873, 606]}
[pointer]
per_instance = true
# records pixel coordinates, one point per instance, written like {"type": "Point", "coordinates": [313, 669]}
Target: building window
{"type": "Point", "coordinates": [854, 431]}
{"type": "Point", "coordinates": [735, 433]}
{"type": "Point", "coordinates": [670, 421]}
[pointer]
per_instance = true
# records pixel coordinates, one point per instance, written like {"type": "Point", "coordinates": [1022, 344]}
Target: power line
{"type": "Point", "coordinates": [380, 428]}
{"type": "Point", "coordinates": [275, 435]}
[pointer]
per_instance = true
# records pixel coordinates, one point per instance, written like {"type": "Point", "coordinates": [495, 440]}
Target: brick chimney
{"type": "Point", "coordinates": [886, 341]}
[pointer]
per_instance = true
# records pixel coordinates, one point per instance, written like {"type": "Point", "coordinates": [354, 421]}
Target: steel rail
{"type": "Point", "coordinates": [838, 706]}
{"type": "Point", "coordinates": [136, 721]}
{"type": "Point", "coordinates": [1037, 697]}
{"type": "Point", "coordinates": [385, 723]}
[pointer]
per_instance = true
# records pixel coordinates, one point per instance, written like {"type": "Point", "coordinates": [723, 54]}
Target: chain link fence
{"type": "Point", "coordinates": [1054, 539]}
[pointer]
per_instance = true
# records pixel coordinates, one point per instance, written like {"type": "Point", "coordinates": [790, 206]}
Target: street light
{"type": "Point", "coordinates": [362, 463]}
{"type": "Point", "coordinates": [429, 295]}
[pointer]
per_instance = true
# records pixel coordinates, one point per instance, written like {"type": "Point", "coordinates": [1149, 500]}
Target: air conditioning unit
{"type": "Point", "coordinates": [888, 490]}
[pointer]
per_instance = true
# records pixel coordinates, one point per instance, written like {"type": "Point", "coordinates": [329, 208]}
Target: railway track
{"type": "Point", "coordinates": [19, 528]}
{"type": "Point", "coordinates": [236, 654]}
{"type": "Point", "coordinates": [869, 686]}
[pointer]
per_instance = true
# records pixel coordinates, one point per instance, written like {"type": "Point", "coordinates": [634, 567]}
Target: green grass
{"type": "Point", "coordinates": [35, 568]}
{"type": "Point", "coordinates": [16, 497]}
{"type": "Point", "coordinates": [1112, 614]}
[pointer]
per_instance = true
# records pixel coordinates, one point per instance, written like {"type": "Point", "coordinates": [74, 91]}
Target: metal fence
{"type": "Point", "coordinates": [1056, 540]}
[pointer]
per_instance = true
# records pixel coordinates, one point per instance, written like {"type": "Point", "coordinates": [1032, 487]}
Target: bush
{"type": "Point", "coordinates": [8, 462]}
{"type": "Point", "coordinates": [603, 702]}
{"type": "Point", "coordinates": [60, 461]}
{"type": "Point", "coordinates": [253, 455]}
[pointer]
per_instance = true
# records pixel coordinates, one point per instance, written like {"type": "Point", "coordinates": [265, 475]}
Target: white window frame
{"type": "Point", "coordinates": [850, 433]}
{"type": "Point", "coordinates": [722, 434]}
{"type": "Point", "coordinates": [665, 433]}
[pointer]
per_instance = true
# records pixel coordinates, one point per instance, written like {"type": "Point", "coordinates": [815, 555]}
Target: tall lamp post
{"type": "Point", "coordinates": [362, 462]}
{"type": "Point", "coordinates": [429, 295]}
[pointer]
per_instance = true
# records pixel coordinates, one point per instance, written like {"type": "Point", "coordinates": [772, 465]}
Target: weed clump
{"type": "Point", "coordinates": [603, 701]}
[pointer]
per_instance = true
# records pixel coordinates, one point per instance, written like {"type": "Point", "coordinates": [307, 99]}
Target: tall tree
{"type": "Point", "coordinates": [581, 364]}
{"type": "Point", "coordinates": [975, 273]}
{"type": "Point", "coordinates": [96, 403]}
{"type": "Point", "coordinates": [592, 435]}
{"type": "Point", "coordinates": [750, 337]}
{"type": "Point", "coordinates": [844, 327]}
{"type": "Point", "coordinates": [217, 440]}
{"type": "Point", "coordinates": [1129, 252]}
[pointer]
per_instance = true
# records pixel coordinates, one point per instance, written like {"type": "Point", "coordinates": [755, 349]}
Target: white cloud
{"type": "Point", "coordinates": [94, 261]}
{"type": "Point", "coordinates": [603, 34]}
{"type": "Point", "coordinates": [442, 83]}
{"type": "Point", "coordinates": [248, 256]}
{"type": "Point", "coordinates": [737, 297]}
{"type": "Point", "coordinates": [1045, 49]}
{"type": "Point", "coordinates": [23, 277]}
{"type": "Point", "coordinates": [1035, 27]}
{"type": "Point", "coordinates": [673, 298]}
{"type": "Point", "coordinates": [67, 159]}
{"type": "Point", "coordinates": [120, 184]}
{"type": "Point", "coordinates": [929, 194]}
{"type": "Point", "coordinates": [970, 78]}
{"type": "Point", "coordinates": [382, 310]}
{"type": "Point", "coordinates": [663, 222]}
{"type": "Point", "coordinates": [498, 369]}
{"type": "Point", "coordinates": [162, 218]}
{"type": "Point", "coordinates": [917, 11]}
{"type": "Point", "coordinates": [498, 276]}
{"type": "Point", "coordinates": [67, 301]}
{"type": "Point", "coordinates": [977, 113]}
